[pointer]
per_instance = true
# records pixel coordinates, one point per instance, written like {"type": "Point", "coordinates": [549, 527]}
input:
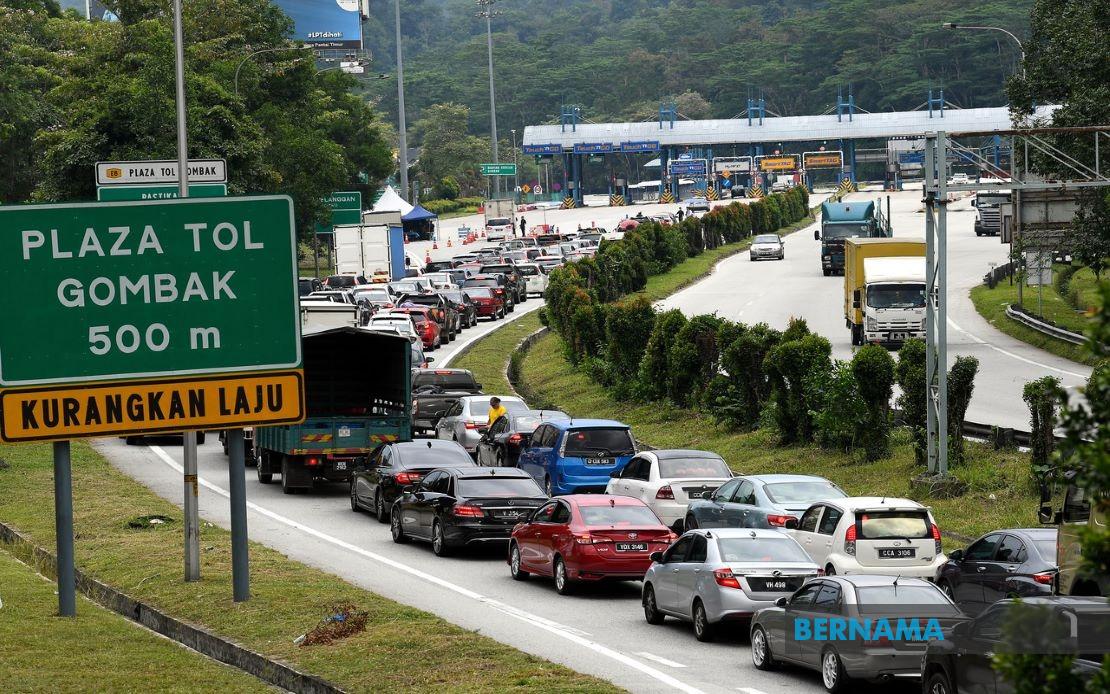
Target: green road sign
{"type": "Point", "coordinates": [159, 192]}
{"type": "Point", "coordinates": [498, 169]}
{"type": "Point", "coordinates": [346, 208]}
{"type": "Point", "coordinates": [117, 290]}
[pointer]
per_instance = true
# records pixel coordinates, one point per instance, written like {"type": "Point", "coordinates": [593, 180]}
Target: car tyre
{"type": "Point", "coordinates": [651, 610]}
{"type": "Point", "coordinates": [285, 487]}
{"type": "Point", "coordinates": [563, 584]}
{"type": "Point", "coordinates": [691, 523]}
{"type": "Point", "coordinates": [354, 500]}
{"type": "Point", "coordinates": [380, 509]}
{"type": "Point", "coordinates": [263, 464]}
{"type": "Point", "coordinates": [515, 571]}
{"type": "Point", "coordinates": [703, 630]}
{"type": "Point", "coordinates": [395, 528]}
{"type": "Point", "coordinates": [548, 487]}
{"type": "Point", "coordinates": [939, 684]}
{"type": "Point", "coordinates": [832, 672]}
{"type": "Point", "coordinates": [439, 543]}
{"type": "Point", "coordinates": [761, 651]}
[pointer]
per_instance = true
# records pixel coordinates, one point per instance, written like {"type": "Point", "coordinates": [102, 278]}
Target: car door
{"type": "Point", "coordinates": [689, 572]}
{"type": "Point", "coordinates": [529, 457]}
{"type": "Point", "coordinates": [710, 514]}
{"type": "Point", "coordinates": [1007, 559]}
{"type": "Point", "coordinates": [737, 510]}
{"type": "Point", "coordinates": [806, 532]}
{"type": "Point", "coordinates": [973, 662]}
{"type": "Point", "coordinates": [666, 578]}
{"type": "Point", "coordinates": [633, 478]}
{"type": "Point", "coordinates": [487, 446]}
{"type": "Point", "coordinates": [968, 593]}
{"type": "Point", "coordinates": [552, 534]}
{"type": "Point", "coordinates": [445, 425]}
{"type": "Point", "coordinates": [528, 538]}
{"type": "Point", "coordinates": [827, 604]}
{"type": "Point", "coordinates": [419, 511]}
{"type": "Point", "coordinates": [374, 474]}
{"type": "Point", "coordinates": [826, 534]}
{"type": "Point", "coordinates": [781, 622]}
{"type": "Point", "coordinates": [363, 477]}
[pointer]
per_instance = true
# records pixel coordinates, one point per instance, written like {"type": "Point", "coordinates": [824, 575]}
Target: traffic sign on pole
{"type": "Point", "coordinates": [159, 192]}
{"type": "Point", "coordinates": [498, 169]}
{"type": "Point", "coordinates": [129, 173]}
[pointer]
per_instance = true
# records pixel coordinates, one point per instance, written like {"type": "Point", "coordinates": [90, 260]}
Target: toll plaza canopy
{"type": "Point", "coordinates": [858, 126]}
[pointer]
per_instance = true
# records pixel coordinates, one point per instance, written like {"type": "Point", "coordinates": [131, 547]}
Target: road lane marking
{"type": "Point", "coordinates": [750, 690]}
{"type": "Point", "coordinates": [981, 341]}
{"type": "Point", "coordinates": [658, 659]}
{"type": "Point", "coordinates": [460, 347]}
{"type": "Point", "coordinates": [535, 620]}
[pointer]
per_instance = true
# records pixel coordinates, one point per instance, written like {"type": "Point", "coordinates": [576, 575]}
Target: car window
{"type": "Point", "coordinates": [638, 469]}
{"type": "Point", "coordinates": [883, 525]}
{"type": "Point", "coordinates": [989, 625]}
{"type": "Point", "coordinates": [386, 458]}
{"type": "Point", "coordinates": [672, 468]}
{"type": "Point", "coordinates": [678, 550]}
{"type": "Point", "coordinates": [612, 441]}
{"type": "Point", "coordinates": [809, 520]}
{"type": "Point", "coordinates": [561, 514]}
{"type": "Point", "coordinates": [724, 492]}
{"type": "Point", "coordinates": [619, 516]}
{"type": "Point", "coordinates": [745, 494]}
{"type": "Point", "coordinates": [878, 599]}
{"type": "Point", "coordinates": [761, 549]}
{"type": "Point", "coordinates": [1011, 551]}
{"type": "Point", "coordinates": [429, 483]}
{"type": "Point", "coordinates": [829, 521]}
{"type": "Point", "coordinates": [543, 515]}
{"type": "Point", "coordinates": [828, 600]}
{"type": "Point", "coordinates": [803, 492]}
{"type": "Point", "coordinates": [982, 549]}
{"type": "Point", "coordinates": [699, 549]}
{"type": "Point", "coordinates": [804, 597]}
{"type": "Point", "coordinates": [497, 486]}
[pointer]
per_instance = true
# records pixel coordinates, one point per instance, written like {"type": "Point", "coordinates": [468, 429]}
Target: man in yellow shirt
{"type": "Point", "coordinates": [495, 410]}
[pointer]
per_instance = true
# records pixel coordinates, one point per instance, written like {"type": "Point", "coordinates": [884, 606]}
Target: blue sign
{"type": "Point", "coordinates": [687, 167]}
{"type": "Point", "coordinates": [911, 157]}
{"type": "Point", "coordinates": [543, 149]}
{"type": "Point", "coordinates": [325, 23]}
{"type": "Point", "coordinates": [593, 148]}
{"type": "Point", "coordinates": [645, 146]}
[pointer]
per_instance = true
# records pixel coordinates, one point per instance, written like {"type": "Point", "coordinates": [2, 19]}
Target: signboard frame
{"type": "Point", "coordinates": [688, 167]}
{"type": "Point", "coordinates": [806, 156]}
{"type": "Point", "coordinates": [761, 162]}
{"type": "Point", "coordinates": [498, 169]}
{"type": "Point", "coordinates": [169, 175]}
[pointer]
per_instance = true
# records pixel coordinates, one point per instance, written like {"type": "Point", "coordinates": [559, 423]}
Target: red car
{"type": "Point", "coordinates": [487, 301]}
{"type": "Point", "coordinates": [587, 537]}
{"type": "Point", "coordinates": [426, 326]}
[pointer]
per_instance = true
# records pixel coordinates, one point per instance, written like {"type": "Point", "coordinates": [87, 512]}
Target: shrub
{"type": "Point", "coordinates": [742, 359]}
{"type": "Point", "coordinates": [693, 358]}
{"type": "Point", "coordinates": [447, 188]}
{"type": "Point", "coordinates": [961, 383]}
{"type": "Point", "coordinates": [441, 206]}
{"type": "Point", "coordinates": [873, 369]}
{"type": "Point", "coordinates": [840, 407]}
{"type": "Point", "coordinates": [628, 327]}
{"type": "Point", "coordinates": [788, 366]}
{"type": "Point", "coordinates": [654, 373]}
{"type": "Point", "coordinates": [774, 213]}
{"type": "Point", "coordinates": [1041, 396]}
{"type": "Point", "coordinates": [910, 376]}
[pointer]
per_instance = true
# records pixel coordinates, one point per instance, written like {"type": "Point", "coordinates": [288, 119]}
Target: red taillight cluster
{"type": "Point", "coordinates": [473, 425]}
{"type": "Point", "coordinates": [850, 541]}
{"type": "Point", "coordinates": [586, 539]}
{"type": "Point", "coordinates": [725, 578]}
{"type": "Point", "coordinates": [465, 511]}
{"type": "Point", "coordinates": [312, 462]}
{"type": "Point", "coordinates": [936, 536]}
{"type": "Point", "coordinates": [407, 477]}
{"type": "Point", "coordinates": [665, 492]}
{"type": "Point", "coordinates": [1044, 577]}
{"type": "Point", "coordinates": [778, 521]}
{"type": "Point", "coordinates": [515, 438]}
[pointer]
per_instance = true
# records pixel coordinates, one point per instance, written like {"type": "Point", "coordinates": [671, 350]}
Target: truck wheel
{"type": "Point", "coordinates": [825, 271]}
{"type": "Point", "coordinates": [285, 488]}
{"type": "Point", "coordinates": [263, 469]}
{"type": "Point", "coordinates": [857, 335]}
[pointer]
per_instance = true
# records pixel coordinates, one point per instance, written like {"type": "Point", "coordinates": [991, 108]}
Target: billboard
{"type": "Point", "coordinates": [325, 23]}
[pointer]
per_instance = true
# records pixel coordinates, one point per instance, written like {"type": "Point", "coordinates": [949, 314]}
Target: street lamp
{"type": "Point", "coordinates": [1021, 48]}
{"type": "Point", "coordinates": [489, 13]}
{"type": "Point", "coordinates": [264, 50]}
{"type": "Point", "coordinates": [516, 170]}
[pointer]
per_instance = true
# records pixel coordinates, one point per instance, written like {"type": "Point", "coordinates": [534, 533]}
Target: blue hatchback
{"type": "Point", "coordinates": [577, 456]}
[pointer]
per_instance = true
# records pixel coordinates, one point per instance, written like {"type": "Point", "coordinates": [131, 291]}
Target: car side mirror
{"type": "Point", "coordinates": [855, 298]}
{"type": "Point", "coordinates": [445, 500]}
{"type": "Point", "coordinates": [791, 524]}
{"type": "Point", "coordinates": [478, 386]}
{"type": "Point", "coordinates": [656, 557]}
{"type": "Point", "coordinates": [615, 474]}
{"type": "Point", "coordinates": [429, 359]}
{"type": "Point", "coordinates": [816, 234]}
{"type": "Point", "coordinates": [956, 555]}
{"type": "Point", "coordinates": [781, 602]}
{"type": "Point", "coordinates": [1044, 514]}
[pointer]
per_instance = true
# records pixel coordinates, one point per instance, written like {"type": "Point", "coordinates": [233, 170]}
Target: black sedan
{"type": "Point", "coordinates": [467, 308]}
{"type": "Point", "coordinates": [1014, 563]}
{"type": "Point", "coordinates": [380, 480]}
{"type": "Point", "coordinates": [501, 444]}
{"type": "Point", "coordinates": [457, 507]}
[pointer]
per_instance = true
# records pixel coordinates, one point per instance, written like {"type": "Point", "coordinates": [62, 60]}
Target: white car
{"type": "Point", "coordinates": [535, 278]}
{"type": "Point", "coordinates": [401, 322]}
{"type": "Point", "coordinates": [499, 229]}
{"type": "Point", "coordinates": [667, 480]}
{"type": "Point", "coordinates": [960, 179]}
{"type": "Point", "coordinates": [871, 535]}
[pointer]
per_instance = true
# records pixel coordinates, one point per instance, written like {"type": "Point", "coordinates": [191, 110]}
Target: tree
{"type": "Point", "coordinates": [1090, 238]}
{"type": "Point", "coordinates": [447, 150]}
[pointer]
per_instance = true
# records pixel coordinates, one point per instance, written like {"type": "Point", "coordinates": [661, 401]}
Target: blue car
{"type": "Point", "coordinates": [577, 456]}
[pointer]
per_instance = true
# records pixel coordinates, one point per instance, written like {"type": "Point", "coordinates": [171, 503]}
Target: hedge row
{"type": "Point", "coordinates": [445, 206]}
{"type": "Point", "coordinates": [745, 376]}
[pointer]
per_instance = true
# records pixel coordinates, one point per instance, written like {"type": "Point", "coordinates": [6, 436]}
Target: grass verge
{"type": "Point", "coordinates": [991, 305]}
{"type": "Point", "coordinates": [56, 654]}
{"type": "Point", "coordinates": [287, 598]}
{"type": "Point", "coordinates": [488, 357]}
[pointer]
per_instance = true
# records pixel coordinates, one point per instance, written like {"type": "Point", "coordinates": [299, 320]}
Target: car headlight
{"type": "Point", "coordinates": [872, 324]}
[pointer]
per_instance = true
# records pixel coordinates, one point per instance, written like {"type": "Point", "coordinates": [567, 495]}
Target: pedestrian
{"type": "Point", "coordinates": [496, 410]}
{"type": "Point", "coordinates": [522, 226]}
{"type": "Point", "coordinates": [680, 215]}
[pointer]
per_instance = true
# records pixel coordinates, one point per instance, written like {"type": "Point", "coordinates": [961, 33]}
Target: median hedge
{"type": "Point", "coordinates": [745, 376]}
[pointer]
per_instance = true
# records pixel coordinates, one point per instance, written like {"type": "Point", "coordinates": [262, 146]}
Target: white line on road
{"type": "Point", "coordinates": [555, 628]}
{"type": "Point", "coordinates": [658, 659]}
{"type": "Point", "coordinates": [983, 342]}
{"type": "Point", "coordinates": [750, 690]}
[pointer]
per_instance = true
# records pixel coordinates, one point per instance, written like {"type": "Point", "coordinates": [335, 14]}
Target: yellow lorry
{"type": "Point", "coordinates": [884, 289]}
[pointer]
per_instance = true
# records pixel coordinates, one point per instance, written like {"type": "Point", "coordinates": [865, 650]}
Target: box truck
{"type": "Point", "coordinates": [846, 220]}
{"type": "Point", "coordinates": [500, 219]}
{"type": "Point", "coordinates": [884, 290]}
{"type": "Point", "coordinates": [369, 250]}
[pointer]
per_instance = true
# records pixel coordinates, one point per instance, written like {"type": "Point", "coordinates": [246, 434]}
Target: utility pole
{"type": "Point", "coordinates": [489, 14]}
{"type": "Point", "coordinates": [402, 144]}
{"type": "Point", "coordinates": [516, 168]}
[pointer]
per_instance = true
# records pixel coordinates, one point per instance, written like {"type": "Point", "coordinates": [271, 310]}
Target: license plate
{"type": "Point", "coordinates": [777, 585]}
{"type": "Point", "coordinates": [699, 492]}
{"type": "Point", "coordinates": [599, 461]}
{"type": "Point", "coordinates": [897, 337]}
{"type": "Point", "coordinates": [632, 546]}
{"type": "Point", "coordinates": [344, 432]}
{"type": "Point", "coordinates": [897, 552]}
{"type": "Point", "coordinates": [341, 465]}
{"type": "Point", "coordinates": [511, 515]}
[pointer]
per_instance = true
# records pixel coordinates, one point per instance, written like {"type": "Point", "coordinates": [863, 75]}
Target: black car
{"type": "Point", "coordinates": [443, 312]}
{"type": "Point", "coordinates": [499, 284]}
{"type": "Point", "coordinates": [467, 309]}
{"type": "Point", "coordinates": [440, 265]}
{"type": "Point", "coordinates": [378, 481]}
{"type": "Point", "coordinates": [457, 507]}
{"type": "Point", "coordinates": [501, 444]}
{"type": "Point", "coordinates": [1014, 563]}
{"type": "Point", "coordinates": [307, 285]}
{"type": "Point", "coordinates": [512, 274]}
{"type": "Point", "coordinates": [963, 660]}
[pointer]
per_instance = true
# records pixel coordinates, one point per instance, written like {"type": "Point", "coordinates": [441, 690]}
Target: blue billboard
{"type": "Point", "coordinates": [325, 23]}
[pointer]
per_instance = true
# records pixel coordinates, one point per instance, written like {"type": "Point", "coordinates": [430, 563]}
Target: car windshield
{"type": "Point", "coordinates": [592, 442]}
{"type": "Point", "coordinates": [497, 486]}
{"type": "Point", "coordinates": [448, 380]}
{"type": "Point", "coordinates": [480, 406]}
{"type": "Point", "coordinates": [455, 296]}
{"type": "Point", "coordinates": [341, 281]}
{"type": "Point", "coordinates": [506, 269]}
{"type": "Point", "coordinates": [845, 231]}
{"type": "Point", "coordinates": [405, 287]}
{"type": "Point", "coordinates": [421, 454]}
{"type": "Point", "coordinates": [304, 286]}
{"type": "Point", "coordinates": [482, 292]}
{"type": "Point", "coordinates": [766, 238]}
{"type": "Point", "coordinates": [482, 283]}
{"type": "Point", "coordinates": [896, 295]}
{"type": "Point", "coordinates": [498, 222]}
{"type": "Point", "coordinates": [529, 270]}
{"type": "Point", "coordinates": [692, 467]}
{"type": "Point", "coordinates": [373, 295]}
{"type": "Point", "coordinates": [894, 525]}
{"type": "Point", "coordinates": [635, 516]}
{"type": "Point", "coordinates": [879, 599]}
{"type": "Point", "coordinates": [772, 549]}
{"type": "Point", "coordinates": [805, 492]}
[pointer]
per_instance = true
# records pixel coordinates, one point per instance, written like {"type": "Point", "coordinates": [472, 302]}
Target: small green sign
{"type": "Point", "coordinates": [346, 200]}
{"type": "Point", "coordinates": [498, 169]}
{"type": "Point", "coordinates": [159, 192]}
{"type": "Point", "coordinates": [118, 290]}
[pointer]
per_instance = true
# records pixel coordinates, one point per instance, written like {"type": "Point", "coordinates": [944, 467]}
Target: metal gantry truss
{"type": "Point", "coordinates": [1056, 170]}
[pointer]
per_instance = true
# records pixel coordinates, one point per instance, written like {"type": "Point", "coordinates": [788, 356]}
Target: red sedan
{"type": "Point", "coordinates": [587, 537]}
{"type": "Point", "coordinates": [487, 302]}
{"type": "Point", "coordinates": [426, 327]}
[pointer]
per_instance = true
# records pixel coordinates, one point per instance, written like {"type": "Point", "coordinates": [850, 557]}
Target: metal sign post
{"type": "Point", "coordinates": [936, 312]}
{"type": "Point", "coordinates": [63, 529]}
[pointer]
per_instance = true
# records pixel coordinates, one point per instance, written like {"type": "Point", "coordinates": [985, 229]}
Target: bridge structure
{"type": "Point", "coordinates": [750, 151]}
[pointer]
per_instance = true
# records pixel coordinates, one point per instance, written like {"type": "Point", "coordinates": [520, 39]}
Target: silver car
{"type": "Point", "coordinates": [465, 420]}
{"type": "Point", "coordinates": [767, 246]}
{"type": "Point", "coordinates": [710, 577]}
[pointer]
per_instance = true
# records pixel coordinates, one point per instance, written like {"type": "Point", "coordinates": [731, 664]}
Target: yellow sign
{"type": "Point", "coordinates": [788, 163]}
{"type": "Point", "coordinates": [525, 188]}
{"type": "Point", "coordinates": [114, 172]}
{"type": "Point", "coordinates": [726, 173]}
{"type": "Point", "coordinates": [830, 160]}
{"type": "Point", "coordinates": [146, 407]}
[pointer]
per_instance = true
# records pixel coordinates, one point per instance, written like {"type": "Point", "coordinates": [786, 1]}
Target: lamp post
{"type": "Point", "coordinates": [264, 50]}
{"type": "Point", "coordinates": [1021, 48]}
{"type": "Point", "coordinates": [402, 137]}
{"type": "Point", "coordinates": [516, 169]}
{"type": "Point", "coordinates": [489, 14]}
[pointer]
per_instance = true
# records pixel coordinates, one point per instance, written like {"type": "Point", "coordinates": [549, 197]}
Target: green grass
{"type": "Point", "coordinates": [991, 305]}
{"type": "Point", "coordinates": [1006, 475]}
{"type": "Point", "coordinates": [402, 648]}
{"type": "Point", "coordinates": [97, 650]}
{"type": "Point", "coordinates": [489, 356]}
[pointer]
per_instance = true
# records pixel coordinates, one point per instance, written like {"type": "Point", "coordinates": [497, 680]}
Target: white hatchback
{"type": "Point", "coordinates": [668, 480]}
{"type": "Point", "coordinates": [871, 535]}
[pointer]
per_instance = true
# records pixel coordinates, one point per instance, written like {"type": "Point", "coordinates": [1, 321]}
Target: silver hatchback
{"type": "Point", "coordinates": [723, 575]}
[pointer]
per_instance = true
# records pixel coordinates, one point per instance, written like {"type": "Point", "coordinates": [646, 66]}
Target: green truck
{"type": "Point", "coordinates": [358, 389]}
{"type": "Point", "coordinates": [848, 220]}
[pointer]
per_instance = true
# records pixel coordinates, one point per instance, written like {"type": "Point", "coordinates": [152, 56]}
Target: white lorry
{"type": "Point", "coordinates": [369, 250]}
{"type": "Point", "coordinates": [500, 219]}
{"type": "Point", "coordinates": [893, 299]}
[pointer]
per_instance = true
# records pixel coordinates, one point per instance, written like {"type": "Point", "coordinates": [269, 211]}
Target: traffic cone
{"type": "Point", "coordinates": [435, 245]}
{"type": "Point", "coordinates": [448, 241]}
{"type": "Point", "coordinates": [427, 257]}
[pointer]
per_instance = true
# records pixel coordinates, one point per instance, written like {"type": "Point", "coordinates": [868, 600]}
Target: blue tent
{"type": "Point", "coordinates": [419, 224]}
{"type": "Point", "coordinates": [418, 214]}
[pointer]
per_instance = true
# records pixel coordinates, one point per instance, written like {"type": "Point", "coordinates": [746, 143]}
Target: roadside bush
{"type": "Point", "coordinates": [654, 375]}
{"type": "Point", "coordinates": [628, 325]}
{"type": "Point", "coordinates": [840, 409]}
{"type": "Point", "coordinates": [910, 376]}
{"type": "Point", "coordinates": [788, 365]}
{"type": "Point", "coordinates": [589, 329]}
{"type": "Point", "coordinates": [774, 213]}
{"type": "Point", "coordinates": [441, 206]}
{"type": "Point", "coordinates": [693, 358]}
{"type": "Point", "coordinates": [961, 384]}
{"type": "Point", "coordinates": [447, 188]}
{"type": "Point", "coordinates": [761, 219]}
{"type": "Point", "coordinates": [742, 359]}
{"type": "Point", "coordinates": [1042, 396]}
{"type": "Point", "coordinates": [873, 370]}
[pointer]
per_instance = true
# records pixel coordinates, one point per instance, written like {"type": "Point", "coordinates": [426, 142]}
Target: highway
{"type": "Point", "coordinates": [774, 291]}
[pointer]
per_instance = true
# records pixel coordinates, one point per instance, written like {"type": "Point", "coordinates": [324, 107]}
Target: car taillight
{"type": "Point", "coordinates": [498, 292]}
{"type": "Point", "coordinates": [586, 539]}
{"type": "Point", "coordinates": [936, 537]}
{"type": "Point", "coordinates": [1044, 577]}
{"type": "Point", "coordinates": [850, 540]}
{"type": "Point", "coordinates": [472, 425]}
{"type": "Point", "coordinates": [312, 461]}
{"type": "Point", "coordinates": [820, 572]}
{"type": "Point", "coordinates": [778, 521]}
{"type": "Point", "coordinates": [515, 438]}
{"type": "Point", "coordinates": [724, 577]}
{"type": "Point", "coordinates": [465, 511]}
{"type": "Point", "coordinates": [414, 406]}
{"type": "Point", "coordinates": [665, 492]}
{"type": "Point", "coordinates": [407, 477]}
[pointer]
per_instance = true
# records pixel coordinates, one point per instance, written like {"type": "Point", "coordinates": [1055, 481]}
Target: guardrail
{"type": "Point", "coordinates": [1043, 327]}
{"type": "Point", "coordinates": [997, 274]}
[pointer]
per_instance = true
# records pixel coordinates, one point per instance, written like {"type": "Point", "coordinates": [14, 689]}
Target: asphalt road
{"type": "Point", "coordinates": [774, 291]}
